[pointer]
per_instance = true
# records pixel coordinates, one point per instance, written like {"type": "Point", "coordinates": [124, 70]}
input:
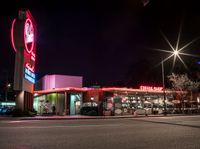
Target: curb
{"type": "Point", "coordinates": [88, 117]}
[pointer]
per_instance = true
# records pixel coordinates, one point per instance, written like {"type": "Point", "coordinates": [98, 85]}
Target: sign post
{"type": "Point", "coordinates": [23, 37]}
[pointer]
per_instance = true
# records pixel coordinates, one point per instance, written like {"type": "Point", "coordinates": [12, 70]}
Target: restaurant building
{"type": "Point", "coordinates": [64, 95]}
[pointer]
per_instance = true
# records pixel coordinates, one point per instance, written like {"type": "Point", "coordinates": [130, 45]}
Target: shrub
{"type": "Point", "coordinates": [30, 113]}
{"type": "Point", "coordinates": [17, 112]}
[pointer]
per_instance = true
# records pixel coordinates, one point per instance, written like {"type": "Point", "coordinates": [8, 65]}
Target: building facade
{"type": "Point", "coordinates": [110, 101]}
{"type": "Point", "coordinates": [64, 95]}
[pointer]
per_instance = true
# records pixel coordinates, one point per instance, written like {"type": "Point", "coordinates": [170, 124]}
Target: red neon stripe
{"type": "Point", "coordinates": [12, 35]}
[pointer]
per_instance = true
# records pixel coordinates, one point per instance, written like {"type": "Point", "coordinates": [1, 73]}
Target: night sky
{"type": "Point", "coordinates": [108, 42]}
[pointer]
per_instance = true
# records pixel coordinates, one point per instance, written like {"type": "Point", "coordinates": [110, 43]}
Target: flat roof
{"type": "Point", "coordinates": [110, 89]}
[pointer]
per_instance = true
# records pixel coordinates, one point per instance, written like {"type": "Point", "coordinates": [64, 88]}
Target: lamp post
{"type": "Point", "coordinates": [8, 85]}
{"type": "Point", "coordinates": [163, 81]}
{"type": "Point", "coordinates": [175, 53]}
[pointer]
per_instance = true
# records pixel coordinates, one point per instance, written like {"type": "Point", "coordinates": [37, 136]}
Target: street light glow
{"type": "Point", "coordinates": [176, 52]}
{"type": "Point", "coordinates": [9, 85]}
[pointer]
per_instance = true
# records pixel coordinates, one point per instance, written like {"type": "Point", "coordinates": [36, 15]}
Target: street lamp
{"type": "Point", "coordinates": [175, 53]}
{"type": "Point", "coordinates": [8, 85]}
{"type": "Point", "coordinates": [92, 99]}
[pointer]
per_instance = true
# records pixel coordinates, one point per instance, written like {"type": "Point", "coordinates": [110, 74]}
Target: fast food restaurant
{"type": "Point", "coordinates": [64, 95]}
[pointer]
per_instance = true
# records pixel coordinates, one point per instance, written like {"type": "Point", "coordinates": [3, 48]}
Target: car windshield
{"type": "Point", "coordinates": [90, 104]}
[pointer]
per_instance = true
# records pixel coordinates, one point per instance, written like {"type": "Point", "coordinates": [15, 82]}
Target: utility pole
{"type": "Point", "coordinates": [163, 80]}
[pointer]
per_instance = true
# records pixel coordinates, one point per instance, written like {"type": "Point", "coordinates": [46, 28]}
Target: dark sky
{"type": "Point", "coordinates": [107, 42]}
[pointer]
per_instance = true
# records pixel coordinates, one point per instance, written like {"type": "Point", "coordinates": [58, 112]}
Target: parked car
{"type": "Point", "coordinates": [6, 110]}
{"type": "Point", "coordinates": [89, 109]}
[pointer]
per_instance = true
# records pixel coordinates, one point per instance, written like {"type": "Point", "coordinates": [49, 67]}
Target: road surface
{"type": "Point", "coordinates": [127, 133]}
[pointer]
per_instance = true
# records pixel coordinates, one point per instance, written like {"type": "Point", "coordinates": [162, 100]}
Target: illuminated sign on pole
{"type": "Point", "coordinates": [23, 38]}
{"type": "Point", "coordinates": [29, 45]}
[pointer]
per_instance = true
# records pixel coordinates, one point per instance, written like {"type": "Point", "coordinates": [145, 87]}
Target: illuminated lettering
{"type": "Point", "coordinates": [30, 67]}
{"type": "Point", "coordinates": [30, 76]}
{"type": "Point", "coordinates": [151, 88]}
{"type": "Point", "coordinates": [8, 104]}
{"type": "Point", "coordinates": [33, 56]}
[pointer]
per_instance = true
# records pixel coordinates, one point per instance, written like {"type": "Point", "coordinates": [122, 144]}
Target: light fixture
{"type": "Point", "coordinates": [177, 51]}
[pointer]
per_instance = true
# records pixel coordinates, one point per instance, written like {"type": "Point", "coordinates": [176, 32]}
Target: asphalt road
{"type": "Point", "coordinates": [133, 133]}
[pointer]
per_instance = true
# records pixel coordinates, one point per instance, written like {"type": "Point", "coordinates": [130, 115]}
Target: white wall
{"type": "Point", "coordinates": [59, 81]}
{"type": "Point", "coordinates": [62, 81]}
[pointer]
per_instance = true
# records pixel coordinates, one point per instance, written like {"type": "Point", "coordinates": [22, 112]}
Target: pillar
{"type": "Point", "coordinates": [57, 106]}
{"type": "Point", "coordinates": [65, 107]}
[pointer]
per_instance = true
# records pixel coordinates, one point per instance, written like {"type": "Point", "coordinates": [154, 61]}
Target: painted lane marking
{"type": "Point", "coordinates": [77, 126]}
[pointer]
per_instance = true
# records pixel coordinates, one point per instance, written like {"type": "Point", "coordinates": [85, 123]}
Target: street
{"type": "Point", "coordinates": [126, 133]}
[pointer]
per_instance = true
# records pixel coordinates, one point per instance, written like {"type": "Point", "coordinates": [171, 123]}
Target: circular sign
{"type": "Point", "coordinates": [109, 105]}
{"type": "Point", "coordinates": [28, 36]}
{"type": "Point", "coordinates": [125, 110]}
{"type": "Point", "coordinates": [118, 111]}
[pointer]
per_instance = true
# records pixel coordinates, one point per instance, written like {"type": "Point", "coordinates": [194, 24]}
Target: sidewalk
{"type": "Point", "coordinates": [64, 117]}
{"type": "Point", "coordinates": [77, 117]}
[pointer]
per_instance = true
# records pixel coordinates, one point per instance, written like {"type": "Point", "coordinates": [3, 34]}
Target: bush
{"type": "Point", "coordinates": [17, 112]}
{"type": "Point", "coordinates": [30, 113]}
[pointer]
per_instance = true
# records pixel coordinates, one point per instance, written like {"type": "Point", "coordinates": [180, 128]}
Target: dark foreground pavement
{"type": "Point", "coordinates": [181, 132]}
{"type": "Point", "coordinates": [75, 117]}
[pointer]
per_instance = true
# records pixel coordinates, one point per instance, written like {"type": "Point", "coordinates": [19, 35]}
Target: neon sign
{"type": "Point", "coordinates": [151, 88]}
{"type": "Point", "coordinates": [30, 67]}
{"type": "Point", "coordinates": [30, 76]}
{"type": "Point", "coordinates": [28, 36]}
{"type": "Point", "coordinates": [23, 37]}
{"type": "Point", "coordinates": [8, 103]}
{"type": "Point", "coordinates": [28, 39]}
{"type": "Point", "coordinates": [12, 35]}
{"type": "Point", "coordinates": [29, 48]}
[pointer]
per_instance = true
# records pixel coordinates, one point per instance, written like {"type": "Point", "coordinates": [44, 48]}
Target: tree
{"type": "Point", "coordinates": [181, 82]}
